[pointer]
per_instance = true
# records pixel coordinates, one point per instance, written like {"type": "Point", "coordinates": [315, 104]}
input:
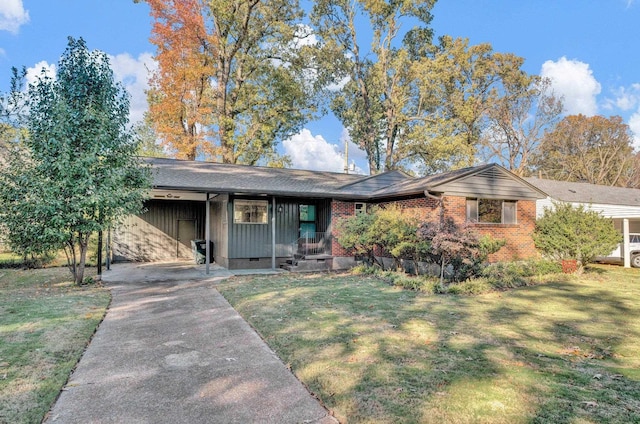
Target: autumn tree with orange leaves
{"type": "Point", "coordinates": [180, 95]}
{"type": "Point", "coordinates": [234, 77]}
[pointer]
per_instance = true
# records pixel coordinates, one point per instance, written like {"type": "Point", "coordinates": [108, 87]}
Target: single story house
{"type": "Point", "coordinates": [258, 217]}
{"type": "Point", "coordinates": [620, 204]}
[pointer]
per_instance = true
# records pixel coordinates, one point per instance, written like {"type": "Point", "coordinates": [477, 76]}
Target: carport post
{"type": "Point", "coordinates": [207, 235]}
{"type": "Point", "coordinates": [626, 243]}
{"type": "Point", "coordinates": [273, 233]}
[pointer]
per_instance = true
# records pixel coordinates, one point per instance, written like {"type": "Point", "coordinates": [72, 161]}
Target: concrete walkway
{"type": "Point", "coordinates": [172, 350]}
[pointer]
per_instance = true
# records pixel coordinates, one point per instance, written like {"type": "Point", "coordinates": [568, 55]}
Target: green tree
{"type": "Point", "coordinates": [375, 102]}
{"type": "Point", "coordinates": [11, 111]}
{"type": "Point", "coordinates": [78, 172]}
{"type": "Point", "coordinates": [594, 149]}
{"type": "Point", "coordinates": [574, 232]}
{"type": "Point", "coordinates": [148, 139]}
{"type": "Point", "coordinates": [456, 87]}
{"type": "Point", "coordinates": [234, 77]}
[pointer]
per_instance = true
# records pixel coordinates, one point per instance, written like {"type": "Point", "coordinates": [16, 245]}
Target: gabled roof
{"type": "Point", "coordinates": [203, 177]}
{"type": "Point", "coordinates": [490, 180]}
{"type": "Point", "coordinates": [587, 193]}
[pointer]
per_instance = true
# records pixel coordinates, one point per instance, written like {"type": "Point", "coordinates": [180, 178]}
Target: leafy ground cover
{"type": "Point", "coordinates": [45, 324]}
{"type": "Point", "coordinates": [562, 351]}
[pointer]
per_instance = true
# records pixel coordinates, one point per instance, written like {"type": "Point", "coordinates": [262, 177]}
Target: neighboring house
{"type": "Point", "coordinates": [620, 204]}
{"type": "Point", "coordinates": [260, 217]}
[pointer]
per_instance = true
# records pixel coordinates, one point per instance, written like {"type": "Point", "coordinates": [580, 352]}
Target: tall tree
{"type": "Point", "coordinates": [633, 180]}
{"type": "Point", "coordinates": [374, 103]}
{"type": "Point", "coordinates": [595, 150]}
{"type": "Point", "coordinates": [457, 84]}
{"type": "Point", "coordinates": [11, 111]}
{"type": "Point", "coordinates": [147, 139]}
{"type": "Point", "coordinates": [518, 119]}
{"type": "Point", "coordinates": [78, 172]}
{"type": "Point", "coordinates": [180, 94]}
{"type": "Point", "coordinates": [233, 76]}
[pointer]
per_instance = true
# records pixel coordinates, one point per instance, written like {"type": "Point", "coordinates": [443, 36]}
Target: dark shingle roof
{"type": "Point", "coordinates": [200, 176]}
{"type": "Point", "coordinates": [587, 193]}
{"type": "Point", "coordinates": [197, 176]}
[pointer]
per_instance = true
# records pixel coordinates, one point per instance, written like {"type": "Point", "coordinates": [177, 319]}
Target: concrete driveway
{"type": "Point", "coordinates": [172, 350]}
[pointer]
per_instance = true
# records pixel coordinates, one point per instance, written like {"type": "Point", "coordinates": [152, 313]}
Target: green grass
{"type": "Point", "coordinates": [45, 324]}
{"type": "Point", "coordinates": [563, 351]}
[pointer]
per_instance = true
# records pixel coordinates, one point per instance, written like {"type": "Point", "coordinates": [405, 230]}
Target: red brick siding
{"type": "Point", "coordinates": [339, 210]}
{"type": "Point", "coordinates": [518, 237]}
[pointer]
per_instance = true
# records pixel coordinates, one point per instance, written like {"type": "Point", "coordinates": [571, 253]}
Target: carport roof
{"type": "Point", "coordinates": [587, 193]}
{"type": "Point", "coordinates": [173, 174]}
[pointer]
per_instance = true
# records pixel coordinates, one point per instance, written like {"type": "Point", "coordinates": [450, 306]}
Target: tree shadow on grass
{"type": "Point", "coordinates": [373, 353]}
{"type": "Point", "coordinates": [577, 340]}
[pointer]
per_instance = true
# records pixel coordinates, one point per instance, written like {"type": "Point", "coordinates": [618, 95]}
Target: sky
{"type": "Point", "coordinates": [589, 48]}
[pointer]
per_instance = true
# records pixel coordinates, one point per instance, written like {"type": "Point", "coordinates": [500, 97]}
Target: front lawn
{"type": "Point", "coordinates": [45, 324]}
{"type": "Point", "coordinates": [564, 351]}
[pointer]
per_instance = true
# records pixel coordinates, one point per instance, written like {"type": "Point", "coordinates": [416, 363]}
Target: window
{"type": "Point", "coordinates": [250, 211]}
{"type": "Point", "coordinates": [361, 208]}
{"type": "Point", "coordinates": [491, 211]}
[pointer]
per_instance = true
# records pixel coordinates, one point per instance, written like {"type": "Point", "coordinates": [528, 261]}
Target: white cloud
{"type": "Point", "coordinates": [134, 75]}
{"type": "Point", "coordinates": [574, 81]}
{"type": "Point", "coordinates": [12, 15]}
{"type": "Point", "coordinates": [634, 125]}
{"type": "Point", "coordinates": [34, 72]}
{"type": "Point", "coordinates": [313, 152]}
{"type": "Point", "coordinates": [625, 98]}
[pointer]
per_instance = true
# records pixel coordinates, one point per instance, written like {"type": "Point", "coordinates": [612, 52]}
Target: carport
{"type": "Point", "coordinates": [620, 204]}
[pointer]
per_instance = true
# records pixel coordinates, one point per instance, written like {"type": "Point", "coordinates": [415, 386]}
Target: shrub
{"type": "Point", "coordinates": [353, 233]}
{"type": "Point", "coordinates": [504, 275]}
{"type": "Point", "coordinates": [568, 232]}
{"type": "Point", "coordinates": [389, 230]}
{"type": "Point", "coordinates": [472, 286]}
{"type": "Point", "coordinates": [459, 247]}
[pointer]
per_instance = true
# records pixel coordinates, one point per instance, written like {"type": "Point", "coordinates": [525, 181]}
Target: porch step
{"type": "Point", "coordinates": [310, 263]}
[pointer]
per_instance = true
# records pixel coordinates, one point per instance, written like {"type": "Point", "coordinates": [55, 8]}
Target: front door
{"type": "Point", "coordinates": [186, 233]}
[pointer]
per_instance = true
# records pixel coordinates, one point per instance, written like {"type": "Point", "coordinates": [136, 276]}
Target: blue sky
{"type": "Point", "coordinates": [590, 49]}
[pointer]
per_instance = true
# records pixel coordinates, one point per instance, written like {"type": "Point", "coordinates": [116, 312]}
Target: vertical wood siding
{"type": "Point", "coordinates": [254, 240]}
{"type": "Point", "coordinates": [153, 235]}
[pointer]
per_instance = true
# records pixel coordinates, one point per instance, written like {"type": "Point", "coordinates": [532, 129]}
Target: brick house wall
{"type": "Point", "coordinates": [340, 210]}
{"type": "Point", "coordinates": [518, 237]}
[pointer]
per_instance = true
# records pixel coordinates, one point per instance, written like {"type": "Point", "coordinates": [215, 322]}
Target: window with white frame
{"type": "Point", "coordinates": [492, 211]}
{"type": "Point", "coordinates": [360, 208]}
{"type": "Point", "coordinates": [250, 211]}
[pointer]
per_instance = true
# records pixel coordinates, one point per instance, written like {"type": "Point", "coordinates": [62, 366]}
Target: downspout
{"type": "Point", "coordinates": [432, 196]}
{"type": "Point", "coordinates": [440, 201]}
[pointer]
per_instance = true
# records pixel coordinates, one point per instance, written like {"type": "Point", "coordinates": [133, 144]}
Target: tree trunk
{"type": "Point", "coordinates": [99, 259]}
{"type": "Point", "coordinates": [83, 244]}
